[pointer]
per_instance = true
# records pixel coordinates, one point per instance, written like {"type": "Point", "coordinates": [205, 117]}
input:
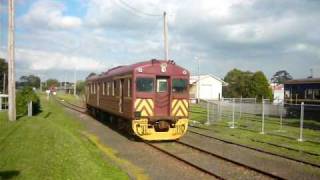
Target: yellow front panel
{"type": "Point", "coordinates": [179, 107]}
{"type": "Point", "coordinates": [145, 106]}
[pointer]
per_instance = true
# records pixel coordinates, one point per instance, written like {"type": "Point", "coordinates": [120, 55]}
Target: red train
{"type": "Point", "coordinates": [149, 98]}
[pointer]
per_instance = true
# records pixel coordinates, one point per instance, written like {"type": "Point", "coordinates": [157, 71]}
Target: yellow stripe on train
{"type": "Point", "coordinates": [179, 107]}
{"type": "Point", "coordinates": [145, 106]}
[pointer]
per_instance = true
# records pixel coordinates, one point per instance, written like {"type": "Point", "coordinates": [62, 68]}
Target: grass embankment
{"type": "Point", "coordinates": [247, 133]}
{"type": "Point", "coordinates": [76, 100]}
{"type": "Point", "coordinates": [50, 145]}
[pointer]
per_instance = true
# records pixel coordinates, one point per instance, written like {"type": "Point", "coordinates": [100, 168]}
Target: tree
{"type": "Point", "coordinates": [80, 87]}
{"type": "Point", "coordinates": [31, 80]}
{"type": "Point", "coordinates": [259, 86]}
{"type": "Point", "coordinates": [3, 74]}
{"type": "Point", "coordinates": [52, 83]}
{"type": "Point", "coordinates": [280, 77]}
{"type": "Point", "coordinates": [238, 83]}
{"type": "Point", "coordinates": [246, 84]}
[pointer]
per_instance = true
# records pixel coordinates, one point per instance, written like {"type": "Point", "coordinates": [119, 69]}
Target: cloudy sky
{"type": "Point", "coordinates": [55, 38]}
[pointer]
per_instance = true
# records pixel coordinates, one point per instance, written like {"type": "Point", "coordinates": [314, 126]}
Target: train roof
{"type": "Point", "coordinates": [303, 81]}
{"type": "Point", "coordinates": [129, 68]}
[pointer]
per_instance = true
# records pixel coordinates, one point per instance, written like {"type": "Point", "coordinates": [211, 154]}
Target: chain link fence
{"type": "Point", "coordinates": [295, 121]}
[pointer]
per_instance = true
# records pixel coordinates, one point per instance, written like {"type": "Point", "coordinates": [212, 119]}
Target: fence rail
{"type": "Point", "coordinates": [263, 117]}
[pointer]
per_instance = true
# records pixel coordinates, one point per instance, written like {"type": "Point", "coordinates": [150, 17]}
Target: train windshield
{"type": "Point", "coordinates": [179, 85]}
{"type": "Point", "coordinates": [144, 84]}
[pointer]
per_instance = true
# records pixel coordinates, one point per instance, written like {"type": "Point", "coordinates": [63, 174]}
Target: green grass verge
{"type": "Point", "coordinates": [247, 133]}
{"type": "Point", "coordinates": [76, 100]}
{"type": "Point", "coordinates": [50, 146]}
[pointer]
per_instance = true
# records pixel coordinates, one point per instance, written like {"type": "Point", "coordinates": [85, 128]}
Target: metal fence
{"type": "Point", "coordinates": [298, 121]}
{"type": "Point", "coordinates": [3, 102]}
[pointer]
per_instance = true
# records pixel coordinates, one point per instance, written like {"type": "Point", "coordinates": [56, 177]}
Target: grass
{"type": "Point", "coordinates": [76, 100]}
{"type": "Point", "coordinates": [247, 133]}
{"type": "Point", "coordinates": [50, 145]}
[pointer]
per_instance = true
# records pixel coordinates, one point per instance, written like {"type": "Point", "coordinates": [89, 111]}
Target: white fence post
{"type": "Point", "coordinates": [30, 108]}
{"type": "Point", "coordinates": [220, 110]}
{"type": "Point", "coordinates": [281, 112]}
{"type": "Point", "coordinates": [208, 114]}
{"type": "Point", "coordinates": [262, 125]}
{"type": "Point", "coordinates": [233, 107]}
{"type": "Point", "coordinates": [240, 109]}
{"type": "Point", "coordinates": [0, 103]}
{"type": "Point", "coordinates": [301, 122]}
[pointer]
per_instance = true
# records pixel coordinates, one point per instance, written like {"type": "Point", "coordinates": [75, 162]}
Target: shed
{"type": "Point", "coordinates": [209, 87]}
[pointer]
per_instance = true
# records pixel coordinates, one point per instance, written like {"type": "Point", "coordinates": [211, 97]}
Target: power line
{"type": "Point", "coordinates": [135, 10]}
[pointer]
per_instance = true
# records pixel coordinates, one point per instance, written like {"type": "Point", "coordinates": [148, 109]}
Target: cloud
{"type": "Point", "coordinates": [265, 35]}
{"type": "Point", "coordinates": [49, 14]}
{"type": "Point", "coordinates": [43, 60]}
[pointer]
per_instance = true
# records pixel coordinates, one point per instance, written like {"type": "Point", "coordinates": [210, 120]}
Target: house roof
{"type": "Point", "coordinates": [194, 79]}
{"type": "Point", "coordinates": [303, 81]}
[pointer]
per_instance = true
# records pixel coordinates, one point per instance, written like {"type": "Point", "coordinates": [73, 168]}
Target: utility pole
{"type": "Point", "coordinates": [165, 35]}
{"type": "Point", "coordinates": [11, 63]}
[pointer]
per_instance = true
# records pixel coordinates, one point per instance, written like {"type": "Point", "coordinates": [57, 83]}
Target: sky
{"type": "Point", "coordinates": [56, 38]}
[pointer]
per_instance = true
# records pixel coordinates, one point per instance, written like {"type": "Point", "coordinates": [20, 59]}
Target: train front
{"type": "Point", "coordinates": [160, 100]}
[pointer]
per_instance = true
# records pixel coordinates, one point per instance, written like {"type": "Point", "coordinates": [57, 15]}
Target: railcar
{"type": "Point", "coordinates": [303, 90]}
{"type": "Point", "coordinates": [150, 98]}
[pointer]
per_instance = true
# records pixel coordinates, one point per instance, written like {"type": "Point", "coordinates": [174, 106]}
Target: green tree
{"type": "Point", "coordinates": [3, 73]}
{"type": "Point", "coordinates": [31, 80]}
{"type": "Point", "coordinates": [246, 84]}
{"type": "Point", "coordinates": [24, 96]}
{"type": "Point", "coordinates": [52, 83]}
{"type": "Point", "coordinates": [280, 77]}
{"type": "Point", "coordinates": [80, 87]}
{"type": "Point", "coordinates": [259, 86]}
{"type": "Point", "coordinates": [238, 83]}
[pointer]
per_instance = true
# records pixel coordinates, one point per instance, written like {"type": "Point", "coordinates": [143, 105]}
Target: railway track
{"type": "Point", "coordinates": [219, 172]}
{"type": "Point", "coordinates": [71, 106]}
{"type": "Point", "coordinates": [259, 150]}
{"type": "Point", "coordinates": [211, 163]}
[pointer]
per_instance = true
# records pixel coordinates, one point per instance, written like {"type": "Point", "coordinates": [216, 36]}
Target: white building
{"type": "Point", "coordinates": [209, 87]}
{"type": "Point", "coordinates": [278, 92]}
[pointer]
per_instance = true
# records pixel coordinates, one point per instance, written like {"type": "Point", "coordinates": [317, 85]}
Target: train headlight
{"type": "Point", "coordinates": [137, 114]}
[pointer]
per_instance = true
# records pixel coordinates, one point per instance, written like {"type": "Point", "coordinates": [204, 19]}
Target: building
{"type": "Point", "coordinates": [302, 90]}
{"type": "Point", "coordinates": [278, 92]}
{"type": "Point", "coordinates": [209, 87]}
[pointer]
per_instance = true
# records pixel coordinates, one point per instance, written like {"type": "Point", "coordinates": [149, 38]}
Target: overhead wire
{"type": "Point", "coordinates": [136, 11]}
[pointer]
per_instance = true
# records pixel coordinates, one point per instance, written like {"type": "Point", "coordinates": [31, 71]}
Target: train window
{"type": "Point", "coordinates": [108, 89]}
{"type": "Point", "coordinates": [144, 84]}
{"type": "Point", "coordinates": [94, 88]}
{"type": "Point", "coordinates": [179, 85]}
{"type": "Point", "coordinates": [129, 87]}
{"type": "Point", "coordinates": [162, 85]}
{"type": "Point", "coordinates": [114, 85]}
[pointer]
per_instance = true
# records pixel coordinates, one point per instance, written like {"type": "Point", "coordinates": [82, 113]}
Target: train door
{"type": "Point", "coordinates": [121, 95]}
{"type": "Point", "coordinates": [162, 97]}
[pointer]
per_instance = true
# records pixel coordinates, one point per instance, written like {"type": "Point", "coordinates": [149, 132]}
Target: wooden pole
{"type": "Point", "coordinates": [11, 63]}
{"type": "Point", "coordinates": [165, 35]}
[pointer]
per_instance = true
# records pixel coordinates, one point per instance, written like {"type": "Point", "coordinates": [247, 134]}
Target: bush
{"type": "Point", "coordinates": [24, 96]}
